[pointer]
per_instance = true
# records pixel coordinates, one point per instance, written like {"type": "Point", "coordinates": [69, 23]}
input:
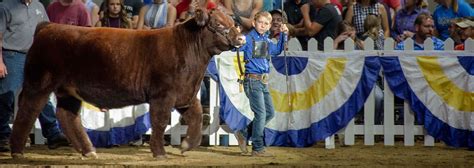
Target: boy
{"type": "Point", "coordinates": [257, 52]}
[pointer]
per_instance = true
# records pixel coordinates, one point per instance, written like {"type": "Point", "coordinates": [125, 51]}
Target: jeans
{"type": "Point", "coordinates": [9, 87]}
{"type": "Point", "coordinates": [262, 107]}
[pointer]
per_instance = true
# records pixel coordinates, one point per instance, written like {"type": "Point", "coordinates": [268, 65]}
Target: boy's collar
{"type": "Point", "coordinates": [258, 34]}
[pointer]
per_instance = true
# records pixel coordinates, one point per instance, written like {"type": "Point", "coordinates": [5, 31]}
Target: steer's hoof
{"type": "Point", "coordinates": [185, 146]}
{"type": "Point", "coordinates": [18, 156]}
{"type": "Point", "coordinates": [90, 155]}
{"type": "Point", "coordinates": [161, 157]}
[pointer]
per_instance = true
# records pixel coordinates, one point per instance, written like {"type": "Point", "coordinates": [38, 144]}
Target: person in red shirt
{"type": "Point", "coordinates": [72, 12]}
{"type": "Point", "coordinates": [185, 9]}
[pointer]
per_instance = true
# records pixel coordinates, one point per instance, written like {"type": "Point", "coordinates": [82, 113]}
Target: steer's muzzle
{"type": "Point", "coordinates": [237, 38]}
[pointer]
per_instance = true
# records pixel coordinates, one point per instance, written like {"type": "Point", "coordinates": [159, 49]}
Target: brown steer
{"type": "Point", "coordinates": [112, 68]}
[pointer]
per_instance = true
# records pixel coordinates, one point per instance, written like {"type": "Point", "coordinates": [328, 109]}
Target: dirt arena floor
{"type": "Point", "coordinates": [358, 155]}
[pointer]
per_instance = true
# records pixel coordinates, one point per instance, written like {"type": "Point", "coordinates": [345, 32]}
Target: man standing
{"type": "Point", "coordinates": [424, 28]}
{"type": "Point", "coordinates": [321, 19]}
{"type": "Point", "coordinates": [71, 12]}
{"type": "Point", "coordinates": [18, 20]}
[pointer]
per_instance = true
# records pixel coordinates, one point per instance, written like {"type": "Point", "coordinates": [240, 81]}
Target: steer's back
{"type": "Point", "coordinates": [99, 63]}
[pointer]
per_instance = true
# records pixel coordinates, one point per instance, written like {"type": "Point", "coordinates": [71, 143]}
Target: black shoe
{"type": "Point", "coordinates": [58, 142]}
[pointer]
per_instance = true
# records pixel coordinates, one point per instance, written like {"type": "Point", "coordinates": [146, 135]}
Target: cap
{"type": "Point", "coordinates": [283, 14]}
{"type": "Point", "coordinates": [465, 23]}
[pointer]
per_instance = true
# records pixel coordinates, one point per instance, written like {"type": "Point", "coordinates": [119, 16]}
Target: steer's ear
{"type": "Point", "coordinates": [201, 17]}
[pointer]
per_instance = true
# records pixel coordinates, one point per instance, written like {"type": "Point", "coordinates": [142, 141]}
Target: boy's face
{"type": "Point", "coordinates": [262, 24]}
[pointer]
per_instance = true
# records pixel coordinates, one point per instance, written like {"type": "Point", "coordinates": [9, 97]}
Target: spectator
{"type": "Point", "coordinates": [448, 10]}
{"type": "Point", "coordinates": [114, 15]}
{"type": "Point", "coordinates": [391, 7]}
{"type": "Point", "coordinates": [277, 4]}
{"type": "Point", "coordinates": [132, 8]}
{"type": "Point", "coordinates": [278, 18]}
{"type": "Point", "coordinates": [334, 2]}
{"type": "Point", "coordinates": [93, 11]}
{"type": "Point", "coordinates": [466, 30]}
{"type": "Point", "coordinates": [424, 28]}
{"type": "Point", "coordinates": [221, 6]}
{"type": "Point", "coordinates": [267, 5]}
{"type": "Point", "coordinates": [44, 2]}
{"type": "Point", "coordinates": [185, 9]}
{"type": "Point", "coordinates": [323, 20]}
{"type": "Point", "coordinates": [372, 30]}
{"type": "Point", "coordinates": [244, 11]}
{"type": "Point", "coordinates": [403, 27]}
{"type": "Point", "coordinates": [345, 31]}
{"type": "Point", "coordinates": [356, 14]}
{"type": "Point", "coordinates": [16, 37]}
{"type": "Point", "coordinates": [338, 4]}
{"type": "Point", "coordinates": [157, 15]}
{"type": "Point", "coordinates": [295, 19]}
{"type": "Point", "coordinates": [71, 12]}
{"type": "Point", "coordinates": [455, 30]}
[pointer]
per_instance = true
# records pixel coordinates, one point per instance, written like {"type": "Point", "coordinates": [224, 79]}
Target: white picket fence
{"type": "Point", "coordinates": [368, 129]}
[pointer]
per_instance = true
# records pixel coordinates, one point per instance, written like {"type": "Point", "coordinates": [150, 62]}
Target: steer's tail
{"type": "Point", "coordinates": [40, 26]}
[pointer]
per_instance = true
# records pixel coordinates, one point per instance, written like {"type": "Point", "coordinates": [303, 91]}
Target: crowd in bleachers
{"type": "Point", "coordinates": [306, 19]}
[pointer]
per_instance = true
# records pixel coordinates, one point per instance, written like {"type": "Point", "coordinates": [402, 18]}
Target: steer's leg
{"type": "Point", "coordinates": [193, 117]}
{"type": "Point", "coordinates": [160, 113]}
{"type": "Point", "coordinates": [70, 120]}
{"type": "Point", "coordinates": [31, 102]}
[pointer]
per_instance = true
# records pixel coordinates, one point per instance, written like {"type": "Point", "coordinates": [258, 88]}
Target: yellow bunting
{"type": "Point", "coordinates": [326, 83]}
{"type": "Point", "coordinates": [443, 86]}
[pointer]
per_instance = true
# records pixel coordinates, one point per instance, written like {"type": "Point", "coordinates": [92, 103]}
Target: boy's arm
{"type": "Point", "coordinates": [276, 49]}
{"type": "Point", "coordinates": [244, 48]}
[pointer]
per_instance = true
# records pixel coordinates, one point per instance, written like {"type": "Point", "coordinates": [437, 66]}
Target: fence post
{"type": "Point", "coordinates": [328, 47]}
{"type": "Point", "coordinates": [349, 129]}
{"type": "Point", "coordinates": [369, 106]}
{"type": "Point", "coordinates": [214, 109]}
{"type": "Point", "coordinates": [469, 45]}
{"type": "Point", "coordinates": [429, 140]}
{"type": "Point", "coordinates": [388, 122]}
{"type": "Point", "coordinates": [294, 45]}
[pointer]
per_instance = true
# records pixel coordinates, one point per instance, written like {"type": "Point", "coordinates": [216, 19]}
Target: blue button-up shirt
{"type": "Point", "coordinates": [437, 45]}
{"type": "Point", "coordinates": [260, 65]}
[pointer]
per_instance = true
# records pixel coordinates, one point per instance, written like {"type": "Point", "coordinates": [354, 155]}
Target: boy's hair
{"type": "Point", "coordinates": [265, 14]}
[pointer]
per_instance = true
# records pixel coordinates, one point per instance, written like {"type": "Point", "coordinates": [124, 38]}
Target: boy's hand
{"type": "Point", "coordinates": [284, 29]}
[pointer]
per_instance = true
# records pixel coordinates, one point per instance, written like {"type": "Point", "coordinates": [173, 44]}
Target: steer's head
{"type": "Point", "coordinates": [224, 33]}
